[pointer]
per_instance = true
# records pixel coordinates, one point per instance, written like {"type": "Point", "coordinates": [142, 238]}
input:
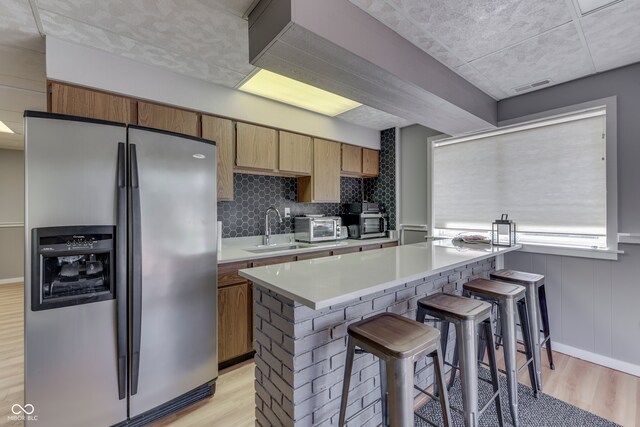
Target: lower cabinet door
{"type": "Point", "coordinates": [235, 329]}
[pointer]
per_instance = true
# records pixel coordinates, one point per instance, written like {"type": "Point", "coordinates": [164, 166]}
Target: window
{"type": "Point", "coordinates": [549, 175]}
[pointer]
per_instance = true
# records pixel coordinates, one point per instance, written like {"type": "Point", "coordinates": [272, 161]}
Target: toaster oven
{"type": "Point", "coordinates": [313, 229]}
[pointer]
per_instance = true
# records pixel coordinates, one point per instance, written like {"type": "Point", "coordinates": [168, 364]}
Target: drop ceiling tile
{"type": "Point", "coordinates": [237, 7]}
{"type": "Point", "coordinates": [187, 28]}
{"type": "Point", "coordinates": [475, 28]}
{"type": "Point", "coordinates": [11, 141]}
{"type": "Point", "coordinates": [613, 35]}
{"type": "Point", "coordinates": [372, 118]}
{"type": "Point", "coordinates": [399, 23]}
{"type": "Point", "coordinates": [22, 68]}
{"type": "Point", "coordinates": [558, 54]}
{"type": "Point", "coordinates": [74, 31]}
{"type": "Point", "coordinates": [473, 76]}
{"type": "Point", "coordinates": [18, 100]}
{"type": "Point", "coordinates": [18, 27]}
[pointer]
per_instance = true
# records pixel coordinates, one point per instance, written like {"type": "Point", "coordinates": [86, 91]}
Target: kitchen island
{"type": "Point", "coordinates": [302, 310]}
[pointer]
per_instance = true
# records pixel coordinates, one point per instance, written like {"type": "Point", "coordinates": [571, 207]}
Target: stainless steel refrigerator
{"type": "Point", "coordinates": [120, 271]}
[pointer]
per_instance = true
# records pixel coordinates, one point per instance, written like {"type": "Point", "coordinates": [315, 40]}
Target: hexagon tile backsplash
{"type": "Point", "coordinates": [253, 194]}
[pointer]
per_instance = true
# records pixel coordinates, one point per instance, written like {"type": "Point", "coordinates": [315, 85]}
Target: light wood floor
{"type": "Point", "coordinates": [610, 394]}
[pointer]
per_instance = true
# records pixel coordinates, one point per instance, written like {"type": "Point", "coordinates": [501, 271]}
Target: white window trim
{"type": "Point", "coordinates": [611, 129]}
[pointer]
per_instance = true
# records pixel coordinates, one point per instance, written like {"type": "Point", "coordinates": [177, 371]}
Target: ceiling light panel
{"type": "Point", "coordinates": [280, 88]}
{"type": "Point", "coordinates": [4, 128]}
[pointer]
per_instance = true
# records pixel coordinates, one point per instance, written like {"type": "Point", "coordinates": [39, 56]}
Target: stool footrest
{"type": "Point", "coordinates": [424, 419]}
{"type": "Point", "coordinates": [486, 405]}
{"type": "Point", "coordinates": [363, 409]}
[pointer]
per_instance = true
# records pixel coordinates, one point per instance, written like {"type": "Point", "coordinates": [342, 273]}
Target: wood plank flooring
{"type": "Point", "coordinates": [610, 394]}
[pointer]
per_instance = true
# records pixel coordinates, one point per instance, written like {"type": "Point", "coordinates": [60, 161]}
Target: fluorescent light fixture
{"type": "Point", "coordinates": [4, 128]}
{"type": "Point", "coordinates": [280, 88]}
{"type": "Point", "coordinates": [588, 6]}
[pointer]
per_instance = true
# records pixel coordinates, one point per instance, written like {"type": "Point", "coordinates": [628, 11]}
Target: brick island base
{"type": "Point", "coordinates": [300, 352]}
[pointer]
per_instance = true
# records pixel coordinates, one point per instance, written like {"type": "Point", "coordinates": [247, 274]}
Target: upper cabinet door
{"type": "Point", "coordinates": [81, 102]}
{"type": "Point", "coordinates": [326, 171]}
{"type": "Point", "coordinates": [351, 159]}
{"type": "Point", "coordinates": [370, 162]}
{"type": "Point", "coordinates": [295, 153]}
{"type": "Point", "coordinates": [167, 118]}
{"type": "Point", "coordinates": [221, 131]}
{"type": "Point", "coordinates": [256, 147]}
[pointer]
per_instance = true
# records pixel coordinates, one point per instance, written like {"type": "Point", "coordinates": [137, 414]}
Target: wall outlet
{"type": "Point", "coordinates": [287, 212]}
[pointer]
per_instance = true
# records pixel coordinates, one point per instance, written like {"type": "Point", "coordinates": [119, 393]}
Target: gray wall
{"type": "Point", "coordinates": [414, 174]}
{"type": "Point", "coordinates": [11, 211]}
{"type": "Point", "coordinates": [594, 304]}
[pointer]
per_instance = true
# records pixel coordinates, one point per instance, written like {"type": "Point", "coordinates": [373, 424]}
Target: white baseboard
{"type": "Point", "coordinates": [598, 359]}
{"type": "Point", "coordinates": [13, 280]}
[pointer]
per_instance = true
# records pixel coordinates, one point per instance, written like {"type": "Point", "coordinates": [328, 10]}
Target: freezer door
{"type": "Point", "coordinates": [71, 369]}
{"type": "Point", "coordinates": [174, 242]}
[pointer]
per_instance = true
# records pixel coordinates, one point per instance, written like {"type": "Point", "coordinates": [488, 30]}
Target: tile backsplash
{"type": "Point", "coordinates": [254, 194]}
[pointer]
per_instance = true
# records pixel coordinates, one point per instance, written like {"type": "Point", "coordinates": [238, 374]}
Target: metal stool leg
{"type": "Point", "coordinates": [528, 344]}
{"type": "Point", "coordinates": [351, 349]}
{"type": "Point", "coordinates": [444, 340]}
{"type": "Point", "coordinates": [488, 330]}
{"type": "Point", "coordinates": [542, 297]}
{"type": "Point", "coordinates": [438, 366]}
{"type": "Point", "coordinates": [510, 349]}
{"type": "Point", "coordinates": [531, 297]}
{"type": "Point", "coordinates": [466, 341]}
{"type": "Point", "coordinates": [400, 389]}
{"type": "Point", "coordinates": [498, 330]}
{"type": "Point", "coordinates": [384, 394]}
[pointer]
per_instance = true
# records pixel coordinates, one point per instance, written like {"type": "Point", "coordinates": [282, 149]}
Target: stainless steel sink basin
{"type": "Point", "coordinates": [264, 249]}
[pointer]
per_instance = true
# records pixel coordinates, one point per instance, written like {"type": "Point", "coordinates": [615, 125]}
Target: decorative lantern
{"type": "Point", "coordinates": [503, 231]}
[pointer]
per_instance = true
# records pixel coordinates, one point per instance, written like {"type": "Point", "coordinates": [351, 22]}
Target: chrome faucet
{"type": "Point", "coordinates": [267, 231]}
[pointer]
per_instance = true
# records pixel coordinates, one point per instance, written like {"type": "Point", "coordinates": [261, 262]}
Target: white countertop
{"type": "Point", "coordinates": [321, 282]}
{"type": "Point", "coordinates": [238, 249]}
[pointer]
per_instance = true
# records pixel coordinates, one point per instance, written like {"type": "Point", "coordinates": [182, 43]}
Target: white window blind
{"type": "Point", "coordinates": [550, 177]}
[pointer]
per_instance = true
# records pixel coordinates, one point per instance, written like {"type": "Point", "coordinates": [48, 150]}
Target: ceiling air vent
{"type": "Point", "coordinates": [531, 86]}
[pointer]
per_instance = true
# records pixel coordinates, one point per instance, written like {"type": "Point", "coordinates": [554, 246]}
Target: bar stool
{"type": "Point", "coordinates": [467, 315]}
{"type": "Point", "coordinates": [398, 342]}
{"type": "Point", "coordinates": [536, 298]}
{"type": "Point", "coordinates": [506, 297]}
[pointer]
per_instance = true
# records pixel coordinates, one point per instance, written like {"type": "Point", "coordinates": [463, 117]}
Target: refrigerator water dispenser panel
{"type": "Point", "coordinates": [75, 266]}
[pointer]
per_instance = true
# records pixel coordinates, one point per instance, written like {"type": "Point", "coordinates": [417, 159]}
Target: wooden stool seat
{"type": "Point", "coordinates": [395, 336]}
{"type": "Point", "coordinates": [398, 343]}
{"type": "Point", "coordinates": [519, 277]}
{"type": "Point", "coordinates": [495, 289]}
{"type": "Point", "coordinates": [454, 306]}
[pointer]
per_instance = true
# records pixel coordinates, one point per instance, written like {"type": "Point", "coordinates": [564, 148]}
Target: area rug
{"type": "Point", "coordinates": [545, 411]}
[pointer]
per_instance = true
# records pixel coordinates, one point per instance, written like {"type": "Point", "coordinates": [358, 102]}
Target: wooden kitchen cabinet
{"type": "Point", "coordinates": [389, 245]}
{"type": "Point", "coordinates": [167, 118]}
{"type": "Point", "coordinates": [295, 153]}
{"type": "Point", "coordinates": [256, 147]}
{"type": "Point", "coordinates": [370, 162]}
{"type": "Point", "coordinates": [371, 247]}
{"type": "Point", "coordinates": [274, 260]}
{"type": "Point", "coordinates": [351, 160]}
{"type": "Point", "coordinates": [312, 255]}
{"type": "Point", "coordinates": [347, 250]}
{"type": "Point", "coordinates": [221, 131]}
{"type": "Point", "coordinates": [324, 183]}
{"type": "Point", "coordinates": [235, 321]}
{"type": "Point", "coordinates": [235, 313]}
{"type": "Point", "coordinates": [77, 101]}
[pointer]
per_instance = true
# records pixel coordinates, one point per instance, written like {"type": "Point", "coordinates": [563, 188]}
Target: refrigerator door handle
{"type": "Point", "coordinates": [136, 270]}
{"type": "Point", "coordinates": [121, 271]}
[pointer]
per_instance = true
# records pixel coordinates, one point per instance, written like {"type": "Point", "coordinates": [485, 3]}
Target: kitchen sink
{"type": "Point", "coordinates": [276, 248]}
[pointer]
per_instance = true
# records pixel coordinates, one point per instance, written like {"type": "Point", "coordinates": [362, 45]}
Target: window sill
{"type": "Point", "coordinates": [572, 251]}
